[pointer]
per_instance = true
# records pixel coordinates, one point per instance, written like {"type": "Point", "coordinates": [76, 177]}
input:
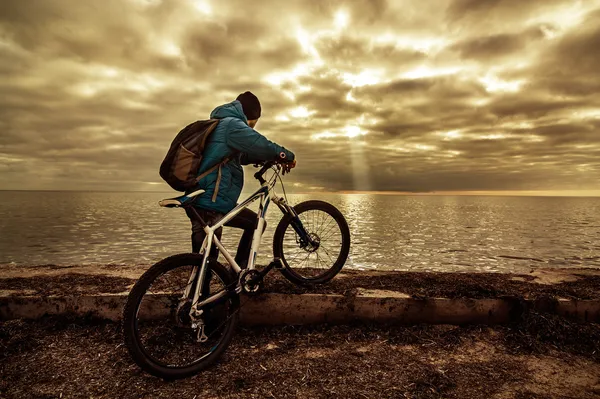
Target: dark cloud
{"type": "Point", "coordinates": [380, 95]}
{"type": "Point", "coordinates": [490, 9]}
{"type": "Point", "coordinates": [531, 107]}
{"type": "Point", "coordinates": [569, 67]}
{"type": "Point", "coordinates": [338, 50]}
{"type": "Point", "coordinates": [328, 98]}
{"type": "Point", "coordinates": [497, 46]}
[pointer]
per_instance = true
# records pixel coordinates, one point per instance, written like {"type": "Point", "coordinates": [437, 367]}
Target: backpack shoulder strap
{"type": "Point", "coordinates": [215, 167]}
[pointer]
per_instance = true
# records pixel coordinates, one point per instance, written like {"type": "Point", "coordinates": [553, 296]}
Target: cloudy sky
{"type": "Point", "coordinates": [431, 95]}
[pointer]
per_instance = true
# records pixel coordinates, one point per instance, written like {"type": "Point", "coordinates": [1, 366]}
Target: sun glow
{"type": "Point", "coordinates": [532, 138]}
{"type": "Point", "coordinates": [493, 84]}
{"type": "Point", "coordinates": [452, 134]}
{"type": "Point", "coordinates": [324, 135]}
{"type": "Point", "coordinates": [424, 147]}
{"type": "Point", "coordinates": [428, 72]}
{"type": "Point", "coordinates": [348, 131]}
{"type": "Point", "coordinates": [353, 131]}
{"type": "Point", "coordinates": [419, 44]}
{"type": "Point", "coordinates": [341, 19]}
{"type": "Point", "coordinates": [170, 49]}
{"type": "Point", "coordinates": [306, 42]}
{"type": "Point", "coordinates": [350, 98]}
{"type": "Point", "coordinates": [282, 118]}
{"type": "Point", "coordinates": [85, 90]}
{"type": "Point", "coordinates": [364, 78]}
{"type": "Point", "coordinates": [301, 112]}
{"type": "Point", "coordinates": [591, 113]}
{"type": "Point", "coordinates": [494, 136]}
{"type": "Point", "coordinates": [203, 6]}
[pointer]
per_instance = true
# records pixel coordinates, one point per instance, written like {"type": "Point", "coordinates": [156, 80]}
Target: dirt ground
{"type": "Point", "coordinates": [565, 283]}
{"type": "Point", "coordinates": [540, 357]}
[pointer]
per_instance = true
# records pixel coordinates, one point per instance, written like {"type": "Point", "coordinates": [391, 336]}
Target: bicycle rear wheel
{"type": "Point", "coordinates": [318, 263]}
{"type": "Point", "coordinates": [157, 327]}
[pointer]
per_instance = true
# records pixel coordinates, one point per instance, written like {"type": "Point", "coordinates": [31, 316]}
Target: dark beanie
{"type": "Point", "coordinates": [250, 105]}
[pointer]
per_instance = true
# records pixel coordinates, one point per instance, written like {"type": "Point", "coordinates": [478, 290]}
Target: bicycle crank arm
{"type": "Point", "coordinates": [275, 263]}
{"type": "Point", "coordinates": [215, 300]}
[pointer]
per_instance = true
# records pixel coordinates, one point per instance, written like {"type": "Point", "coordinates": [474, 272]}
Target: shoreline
{"type": "Point", "coordinates": [571, 283]}
{"type": "Point", "coordinates": [394, 297]}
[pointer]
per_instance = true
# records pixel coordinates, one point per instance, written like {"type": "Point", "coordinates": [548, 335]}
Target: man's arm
{"type": "Point", "coordinates": [254, 146]}
{"type": "Point", "coordinates": [247, 159]}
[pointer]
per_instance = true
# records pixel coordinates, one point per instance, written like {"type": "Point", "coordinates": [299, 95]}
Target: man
{"type": "Point", "coordinates": [233, 138]}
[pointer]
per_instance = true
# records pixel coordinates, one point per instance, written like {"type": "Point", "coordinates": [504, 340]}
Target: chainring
{"type": "Point", "coordinates": [251, 282]}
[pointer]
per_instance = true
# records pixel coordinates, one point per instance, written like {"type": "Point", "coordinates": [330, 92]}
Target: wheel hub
{"type": "Point", "coordinates": [313, 244]}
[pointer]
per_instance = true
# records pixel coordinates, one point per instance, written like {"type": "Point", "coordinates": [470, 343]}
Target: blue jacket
{"type": "Point", "coordinates": [232, 138]}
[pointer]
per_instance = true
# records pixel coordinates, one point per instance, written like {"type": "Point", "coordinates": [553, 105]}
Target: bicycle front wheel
{"type": "Point", "coordinates": [158, 331]}
{"type": "Point", "coordinates": [319, 262]}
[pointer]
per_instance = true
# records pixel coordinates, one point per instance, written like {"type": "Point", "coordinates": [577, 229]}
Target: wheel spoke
{"type": "Point", "coordinates": [333, 233]}
{"type": "Point", "coordinates": [179, 288]}
{"type": "Point", "coordinates": [321, 221]}
{"type": "Point", "coordinates": [296, 256]}
{"type": "Point", "coordinates": [319, 261]}
{"type": "Point", "coordinates": [324, 226]}
{"type": "Point", "coordinates": [162, 327]}
{"type": "Point", "coordinates": [304, 260]}
{"type": "Point", "coordinates": [324, 234]}
{"type": "Point", "coordinates": [327, 252]}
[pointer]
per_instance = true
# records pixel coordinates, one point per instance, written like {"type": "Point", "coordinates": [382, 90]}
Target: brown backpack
{"type": "Point", "coordinates": [180, 166]}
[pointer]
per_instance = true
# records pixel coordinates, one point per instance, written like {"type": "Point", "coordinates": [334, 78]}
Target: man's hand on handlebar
{"type": "Point", "coordinates": [288, 166]}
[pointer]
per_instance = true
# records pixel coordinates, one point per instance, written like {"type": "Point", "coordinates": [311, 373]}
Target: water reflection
{"type": "Point", "coordinates": [451, 233]}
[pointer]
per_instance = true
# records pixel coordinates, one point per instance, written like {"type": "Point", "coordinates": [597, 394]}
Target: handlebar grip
{"type": "Point", "coordinates": [266, 166]}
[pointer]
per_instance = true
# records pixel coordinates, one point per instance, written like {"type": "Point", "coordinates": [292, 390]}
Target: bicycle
{"type": "Point", "coordinates": [189, 303]}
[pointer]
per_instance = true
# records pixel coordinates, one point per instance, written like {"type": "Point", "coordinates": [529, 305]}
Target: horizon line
{"type": "Point", "coordinates": [520, 193]}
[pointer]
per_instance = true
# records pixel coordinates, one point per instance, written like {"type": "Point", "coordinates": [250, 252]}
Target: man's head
{"type": "Point", "coordinates": [251, 107]}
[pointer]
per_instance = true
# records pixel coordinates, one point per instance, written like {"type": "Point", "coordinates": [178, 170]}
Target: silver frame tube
{"type": "Point", "coordinates": [264, 194]}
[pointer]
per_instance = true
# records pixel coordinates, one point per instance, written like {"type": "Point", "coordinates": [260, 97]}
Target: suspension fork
{"type": "Point", "coordinates": [296, 223]}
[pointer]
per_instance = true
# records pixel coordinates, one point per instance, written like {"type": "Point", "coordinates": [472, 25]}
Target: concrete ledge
{"type": "Point", "coordinates": [583, 310]}
{"type": "Point", "coordinates": [274, 309]}
{"type": "Point", "coordinates": [313, 308]}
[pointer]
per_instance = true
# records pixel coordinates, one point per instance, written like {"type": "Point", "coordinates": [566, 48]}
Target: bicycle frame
{"type": "Point", "coordinates": [265, 194]}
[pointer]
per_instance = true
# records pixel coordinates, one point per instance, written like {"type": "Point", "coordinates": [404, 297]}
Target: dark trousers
{"type": "Point", "coordinates": [245, 220]}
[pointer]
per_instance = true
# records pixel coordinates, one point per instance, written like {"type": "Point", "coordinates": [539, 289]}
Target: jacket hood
{"type": "Point", "coordinates": [232, 110]}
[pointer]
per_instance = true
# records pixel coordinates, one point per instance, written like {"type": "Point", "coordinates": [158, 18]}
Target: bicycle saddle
{"type": "Point", "coordinates": [179, 201]}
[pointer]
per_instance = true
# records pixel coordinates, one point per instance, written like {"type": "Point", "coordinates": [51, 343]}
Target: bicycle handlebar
{"type": "Point", "coordinates": [266, 166]}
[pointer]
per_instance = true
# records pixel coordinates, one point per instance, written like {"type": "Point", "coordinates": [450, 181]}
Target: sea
{"type": "Point", "coordinates": [389, 232]}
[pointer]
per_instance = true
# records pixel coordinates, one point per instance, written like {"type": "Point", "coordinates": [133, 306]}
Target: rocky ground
{"type": "Point", "coordinates": [538, 356]}
{"type": "Point", "coordinates": [541, 356]}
